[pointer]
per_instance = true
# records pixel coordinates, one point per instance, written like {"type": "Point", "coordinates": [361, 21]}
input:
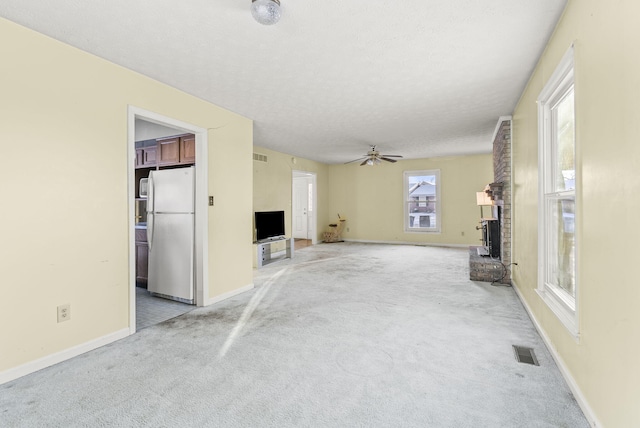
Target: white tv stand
{"type": "Point", "coordinates": [263, 255]}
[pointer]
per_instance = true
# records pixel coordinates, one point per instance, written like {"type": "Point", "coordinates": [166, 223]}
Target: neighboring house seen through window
{"type": "Point", "coordinates": [422, 201]}
{"type": "Point", "coordinates": [558, 284]}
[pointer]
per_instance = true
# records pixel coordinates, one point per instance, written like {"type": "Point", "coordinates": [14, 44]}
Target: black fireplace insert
{"type": "Point", "coordinates": [491, 237]}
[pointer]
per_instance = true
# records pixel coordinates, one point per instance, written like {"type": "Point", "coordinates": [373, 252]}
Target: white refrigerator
{"type": "Point", "coordinates": [170, 233]}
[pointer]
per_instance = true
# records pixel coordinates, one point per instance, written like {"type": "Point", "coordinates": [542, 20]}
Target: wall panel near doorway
{"type": "Point", "coordinates": [272, 185]}
{"type": "Point", "coordinates": [70, 109]}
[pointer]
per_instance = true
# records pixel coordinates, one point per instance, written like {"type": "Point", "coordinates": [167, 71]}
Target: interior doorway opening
{"type": "Point", "coordinates": [304, 208]}
{"type": "Point", "coordinates": [159, 147]}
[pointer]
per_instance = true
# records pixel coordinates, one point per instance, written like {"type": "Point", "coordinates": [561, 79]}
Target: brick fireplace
{"type": "Point", "coordinates": [497, 269]}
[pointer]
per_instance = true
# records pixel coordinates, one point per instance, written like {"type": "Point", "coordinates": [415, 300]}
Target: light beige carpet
{"type": "Point", "coordinates": [343, 335]}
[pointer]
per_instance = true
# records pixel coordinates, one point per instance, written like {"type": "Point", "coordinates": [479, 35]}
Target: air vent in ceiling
{"type": "Point", "coordinates": [259, 157]}
{"type": "Point", "coordinates": [525, 355]}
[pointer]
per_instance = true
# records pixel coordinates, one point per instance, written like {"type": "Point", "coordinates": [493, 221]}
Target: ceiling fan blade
{"type": "Point", "coordinates": [373, 157]}
{"type": "Point", "coordinates": [356, 160]}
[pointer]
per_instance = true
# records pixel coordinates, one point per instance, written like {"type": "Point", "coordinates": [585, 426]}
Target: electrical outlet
{"type": "Point", "coordinates": [210, 201]}
{"type": "Point", "coordinates": [64, 313]}
{"type": "Point", "coordinates": [462, 233]}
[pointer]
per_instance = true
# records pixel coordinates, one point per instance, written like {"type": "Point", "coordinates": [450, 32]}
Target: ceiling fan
{"type": "Point", "coordinates": [373, 157]}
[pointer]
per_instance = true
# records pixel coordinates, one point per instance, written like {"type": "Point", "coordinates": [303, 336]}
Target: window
{"type": "Point", "coordinates": [422, 201]}
{"type": "Point", "coordinates": [557, 282]}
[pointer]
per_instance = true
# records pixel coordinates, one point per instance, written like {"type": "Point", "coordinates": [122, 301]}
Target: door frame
{"type": "Point", "coordinates": [201, 251]}
{"type": "Point", "coordinates": [313, 225]}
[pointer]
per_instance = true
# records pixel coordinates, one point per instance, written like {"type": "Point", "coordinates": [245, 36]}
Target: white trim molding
{"type": "Point", "coordinates": [406, 175]}
{"type": "Point", "coordinates": [58, 357]}
{"type": "Point", "coordinates": [564, 304]}
{"type": "Point", "coordinates": [418, 244]}
{"type": "Point", "coordinates": [313, 231]}
{"type": "Point", "coordinates": [564, 370]}
{"type": "Point", "coordinates": [499, 124]}
{"type": "Point", "coordinates": [201, 204]}
{"type": "Point", "coordinates": [229, 294]}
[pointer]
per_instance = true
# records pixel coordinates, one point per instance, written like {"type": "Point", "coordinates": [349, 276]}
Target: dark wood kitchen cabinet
{"type": "Point", "coordinates": [142, 257]}
{"type": "Point", "coordinates": [177, 150]}
{"type": "Point", "coordinates": [146, 157]}
{"type": "Point", "coordinates": [166, 152]}
{"type": "Point", "coordinates": [169, 151]}
{"type": "Point", "coordinates": [188, 149]}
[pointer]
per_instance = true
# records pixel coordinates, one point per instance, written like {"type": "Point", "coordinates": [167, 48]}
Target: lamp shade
{"type": "Point", "coordinates": [266, 12]}
{"type": "Point", "coordinates": [483, 199]}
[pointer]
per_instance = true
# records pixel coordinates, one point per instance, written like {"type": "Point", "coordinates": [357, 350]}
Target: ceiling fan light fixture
{"type": "Point", "coordinates": [266, 12]}
{"type": "Point", "coordinates": [373, 157]}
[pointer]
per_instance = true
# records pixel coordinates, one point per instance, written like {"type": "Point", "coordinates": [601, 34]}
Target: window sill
{"type": "Point", "coordinates": [415, 230]}
{"type": "Point", "coordinates": [566, 316]}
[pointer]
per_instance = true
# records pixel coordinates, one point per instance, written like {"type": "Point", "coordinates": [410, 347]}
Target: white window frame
{"type": "Point", "coordinates": [406, 201]}
{"type": "Point", "coordinates": [563, 305]}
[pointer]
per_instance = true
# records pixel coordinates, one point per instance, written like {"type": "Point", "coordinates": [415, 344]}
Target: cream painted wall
{"type": "Point", "coordinates": [603, 363]}
{"type": "Point", "coordinates": [272, 182]}
{"type": "Point", "coordinates": [63, 190]}
{"type": "Point", "coordinates": [230, 219]}
{"type": "Point", "coordinates": [371, 198]}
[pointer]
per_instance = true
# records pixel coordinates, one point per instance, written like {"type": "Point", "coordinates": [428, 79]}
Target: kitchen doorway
{"type": "Point", "coordinates": [303, 212]}
{"type": "Point", "coordinates": [151, 310]}
{"type": "Point", "coordinates": [156, 153]}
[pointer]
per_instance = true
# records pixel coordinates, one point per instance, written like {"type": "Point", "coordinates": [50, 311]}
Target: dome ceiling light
{"type": "Point", "coordinates": [266, 12]}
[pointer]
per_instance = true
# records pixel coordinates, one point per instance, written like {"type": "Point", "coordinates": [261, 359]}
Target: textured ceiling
{"type": "Point", "coordinates": [419, 78]}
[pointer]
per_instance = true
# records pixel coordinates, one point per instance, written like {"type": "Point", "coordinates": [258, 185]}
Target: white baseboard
{"type": "Point", "coordinates": [58, 357]}
{"type": "Point", "coordinates": [229, 294]}
{"type": "Point", "coordinates": [577, 392]}
{"type": "Point", "coordinates": [420, 244]}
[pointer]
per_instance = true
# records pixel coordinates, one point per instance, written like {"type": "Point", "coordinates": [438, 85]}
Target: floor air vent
{"type": "Point", "coordinates": [525, 355]}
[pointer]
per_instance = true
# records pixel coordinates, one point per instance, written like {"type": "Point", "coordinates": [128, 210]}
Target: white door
{"type": "Point", "coordinates": [301, 192]}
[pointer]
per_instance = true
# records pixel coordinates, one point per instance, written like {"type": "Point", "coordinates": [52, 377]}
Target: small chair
{"type": "Point", "coordinates": [335, 231]}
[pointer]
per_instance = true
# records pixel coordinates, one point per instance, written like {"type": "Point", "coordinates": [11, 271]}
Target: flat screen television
{"type": "Point", "coordinates": [269, 225]}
